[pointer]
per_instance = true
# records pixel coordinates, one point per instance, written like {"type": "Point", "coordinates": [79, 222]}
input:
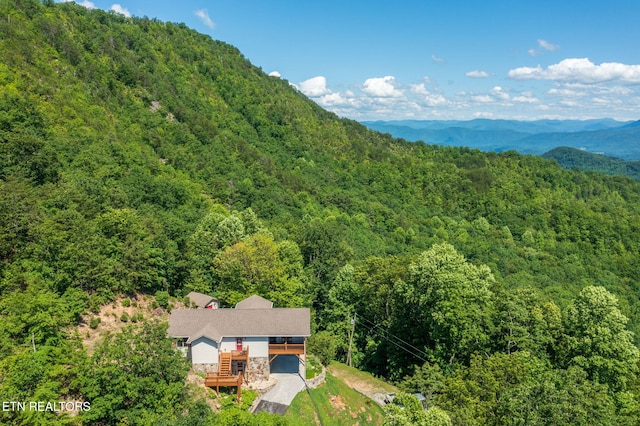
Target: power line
{"type": "Point", "coordinates": [395, 343]}
{"type": "Point", "coordinates": [384, 334]}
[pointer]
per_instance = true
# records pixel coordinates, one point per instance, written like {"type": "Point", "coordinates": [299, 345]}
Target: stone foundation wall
{"type": "Point", "coordinates": [258, 369]}
{"type": "Point", "coordinates": [318, 380]}
{"type": "Point", "coordinates": [205, 368]}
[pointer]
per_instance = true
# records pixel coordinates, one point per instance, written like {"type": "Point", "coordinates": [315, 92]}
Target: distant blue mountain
{"type": "Point", "coordinates": [604, 136]}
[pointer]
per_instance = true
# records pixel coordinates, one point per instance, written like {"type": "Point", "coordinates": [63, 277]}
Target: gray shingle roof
{"type": "Point", "coordinates": [218, 323]}
{"type": "Point", "coordinates": [199, 299]}
{"type": "Point", "coordinates": [254, 302]}
{"type": "Point", "coordinates": [247, 320]}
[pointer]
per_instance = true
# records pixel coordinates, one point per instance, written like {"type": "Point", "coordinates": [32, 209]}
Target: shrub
{"type": "Point", "coordinates": [126, 303]}
{"type": "Point", "coordinates": [93, 322]}
{"type": "Point", "coordinates": [124, 317]}
{"type": "Point", "coordinates": [313, 367]}
{"type": "Point", "coordinates": [322, 345]}
{"type": "Point", "coordinates": [162, 297]}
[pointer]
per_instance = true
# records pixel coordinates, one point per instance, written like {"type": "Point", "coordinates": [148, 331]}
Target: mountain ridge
{"type": "Point", "coordinates": [611, 137]}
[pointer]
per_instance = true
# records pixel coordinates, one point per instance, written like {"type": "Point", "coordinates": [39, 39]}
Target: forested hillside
{"type": "Point", "coordinates": [138, 156]}
{"type": "Point", "coordinates": [571, 158]}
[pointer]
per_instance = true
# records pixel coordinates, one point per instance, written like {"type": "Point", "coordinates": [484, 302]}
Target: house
{"type": "Point", "coordinates": [251, 336]}
{"type": "Point", "coordinates": [203, 300]}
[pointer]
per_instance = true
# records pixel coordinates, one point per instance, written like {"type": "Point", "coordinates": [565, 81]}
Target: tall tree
{"type": "Point", "coordinates": [135, 376]}
{"type": "Point", "coordinates": [446, 304]}
{"type": "Point", "coordinates": [597, 339]}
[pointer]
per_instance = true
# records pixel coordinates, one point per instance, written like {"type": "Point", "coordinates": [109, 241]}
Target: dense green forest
{"type": "Point", "coordinates": [138, 156]}
{"type": "Point", "coordinates": [571, 158]}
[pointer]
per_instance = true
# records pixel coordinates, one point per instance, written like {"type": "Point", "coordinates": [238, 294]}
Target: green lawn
{"type": "Point", "coordinates": [360, 380]}
{"type": "Point", "coordinates": [335, 403]}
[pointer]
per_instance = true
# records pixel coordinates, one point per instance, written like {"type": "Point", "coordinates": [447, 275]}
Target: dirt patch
{"type": "Point", "coordinates": [336, 402]}
{"type": "Point", "coordinates": [361, 385]}
{"type": "Point", "coordinates": [115, 316]}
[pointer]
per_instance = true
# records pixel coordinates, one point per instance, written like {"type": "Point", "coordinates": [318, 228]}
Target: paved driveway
{"type": "Point", "coordinates": [278, 398]}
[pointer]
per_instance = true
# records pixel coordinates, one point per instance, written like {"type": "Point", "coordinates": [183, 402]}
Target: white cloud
{"type": "Point", "coordinates": [434, 100]}
{"type": "Point", "coordinates": [526, 99]}
{"type": "Point", "coordinates": [436, 59]}
{"type": "Point", "coordinates": [579, 70]}
{"type": "Point", "coordinates": [477, 74]}
{"type": "Point", "coordinates": [602, 101]}
{"type": "Point", "coordinates": [275, 74]}
{"type": "Point", "coordinates": [121, 10]}
{"type": "Point", "coordinates": [204, 17]}
{"type": "Point", "coordinates": [383, 87]}
{"type": "Point", "coordinates": [565, 92]}
{"type": "Point", "coordinates": [547, 46]}
{"type": "Point", "coordinates": [426, 97]}
{"type": "Point", "coordinates": [84, 3]}
{"type": "Point", "coordinates": [483, 99]}
{"type": "Point", "coordinates": [315, 86]}
{"type": "Point", "coordinates": [339, 100]}
{"type": "Point", "coordinates": [481, 114]}
{"type": "Point", "coordinates": [388, 98]}
{"type": "Point", "coordinates": [498, 93]}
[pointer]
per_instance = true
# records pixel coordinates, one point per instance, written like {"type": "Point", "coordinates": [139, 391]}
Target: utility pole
{"type": "Point", "coordinates": [353, 327]}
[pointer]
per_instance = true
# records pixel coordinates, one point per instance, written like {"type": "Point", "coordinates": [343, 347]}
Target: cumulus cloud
{"type": "Point", "coordinates": [547, 46]}
{"type": "Point", "coordinates": [582, 89]}
{"type": "Point", "coordinates": [380, 98]}
{"type": "Point", "coordinates": [275, 74]}
{"type": "Point", "coordinates": [579, 70]}
{"type": "Point", "coordinates": [477, 74]}
{"type": "Point", "coordinates": [436, 59]}
{"type": "Point", "coordinates": [346, 99]}
{"type": "Point", "coordinates": [524, 99]}
{"type": "Point", "coordinates": [315, 86]}
{"type": "Point", "coordinates": [499, 93]}
{"type": "Point", "coordinates": [382, 87]}
{"type": "Point", "coordinates": [483, 99]}
{"type": "Point", "coordinates": [84, 3]}
{"type": "Point", "coordinates": [426, 97]}
{"type": "Point", "coordinates": [204, 17]}
{"type": "Point", "coordinates": [121, 10]}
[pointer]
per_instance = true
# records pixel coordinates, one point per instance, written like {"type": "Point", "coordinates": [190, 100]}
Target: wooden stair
{"type": "Point", "coordinates": [223, 376]}
{"type": "Point", "coordinates": [224, 367]}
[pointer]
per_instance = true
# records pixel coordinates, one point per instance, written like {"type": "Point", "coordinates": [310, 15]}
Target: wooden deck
{"type": "Point", "coordinates": [286, 349]}
{"type": "Point", "coordinates": [240, 355]}
{"type": "Point", "coordinates": [213, 380]}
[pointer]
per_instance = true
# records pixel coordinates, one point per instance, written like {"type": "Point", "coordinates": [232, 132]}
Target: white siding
{"type": "Point", "coordinates": [204, 351]}
{"type": "Point", "coordinates": [258, 346]}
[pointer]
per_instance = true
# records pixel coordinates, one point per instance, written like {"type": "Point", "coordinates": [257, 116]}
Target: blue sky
{"type": "Point", "coordinates": [457, 59]}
